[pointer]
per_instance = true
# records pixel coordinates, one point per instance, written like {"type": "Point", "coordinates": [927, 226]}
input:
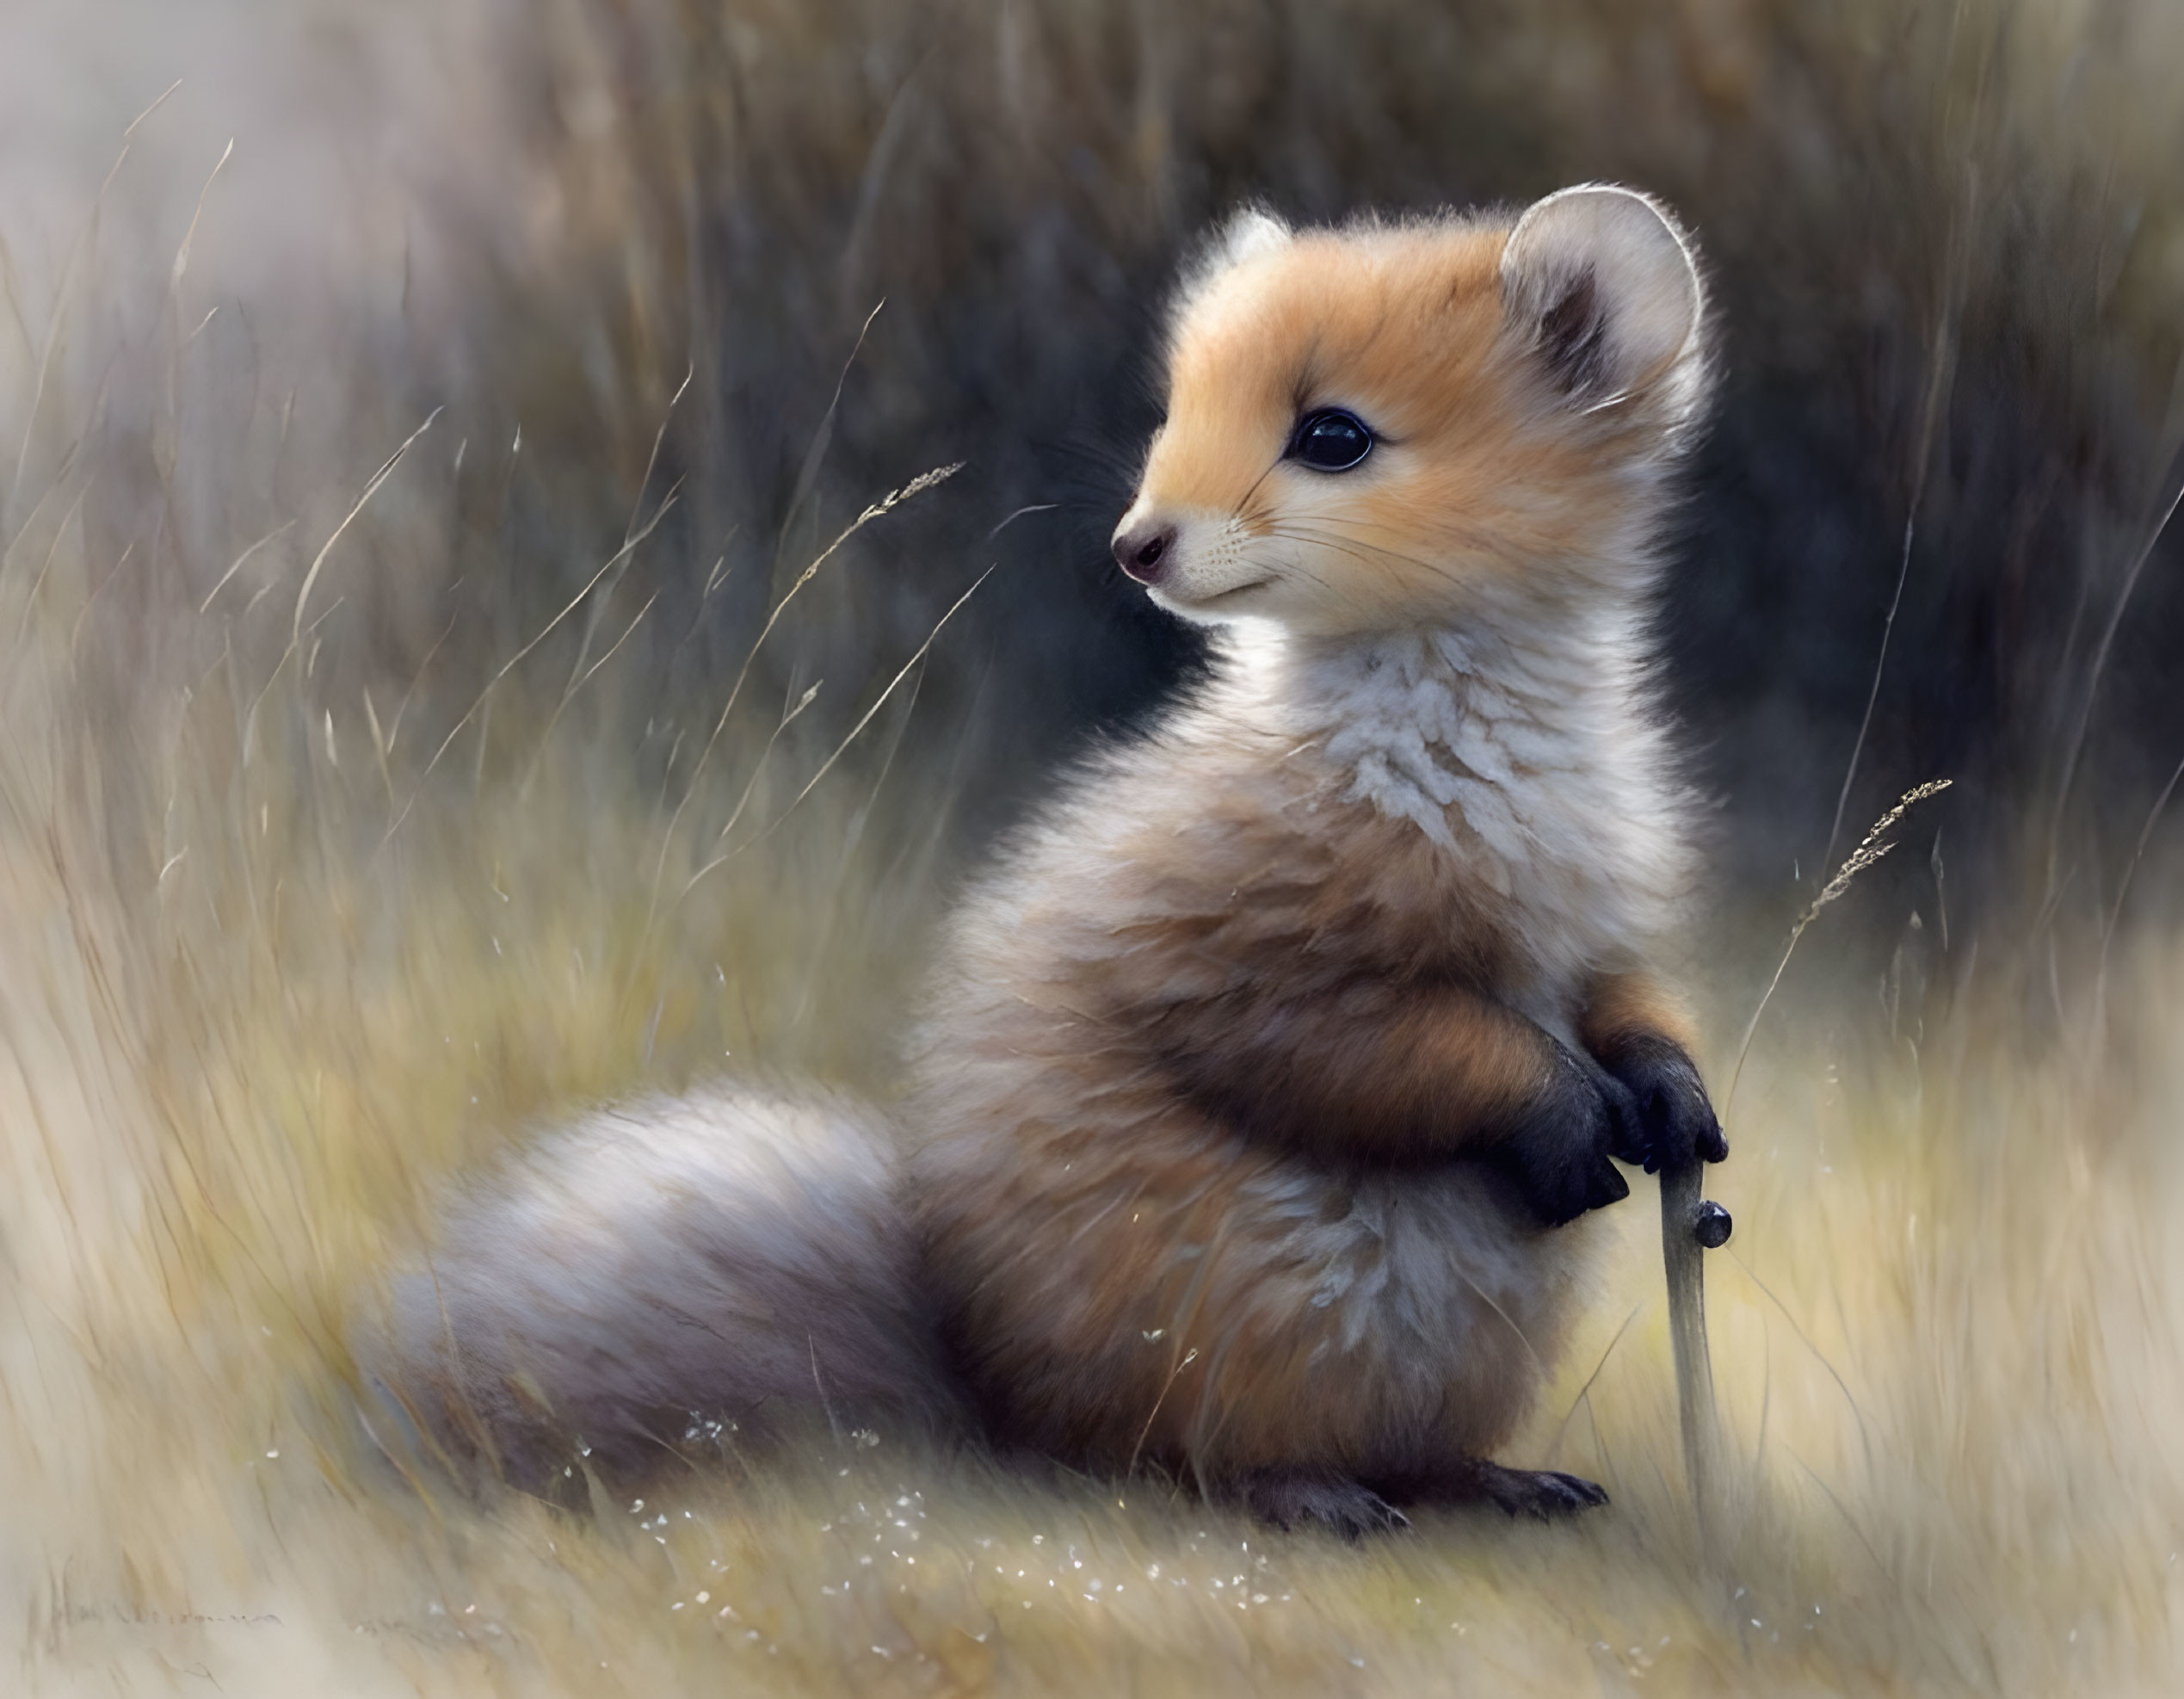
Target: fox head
{"type": "Point", "coordinates": [1389, 426]}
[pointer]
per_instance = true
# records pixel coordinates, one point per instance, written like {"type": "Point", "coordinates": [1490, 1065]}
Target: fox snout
{"type": "Point", "coordinates": [1144, 549]}
{"type": "Point", "coordinates": [1197, 563]}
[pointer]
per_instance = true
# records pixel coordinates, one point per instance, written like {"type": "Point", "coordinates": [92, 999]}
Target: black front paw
{"type": "Point", "coordinates": [1558, 1153]}
{"type": "Point", "coordinates": [1674, 1124]}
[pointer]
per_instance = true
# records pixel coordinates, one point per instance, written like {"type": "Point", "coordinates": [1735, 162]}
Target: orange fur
{"type": "Point", "coordinates": [1402, 323]}
{"type": "Point", "coordinates": [1625, 1008]}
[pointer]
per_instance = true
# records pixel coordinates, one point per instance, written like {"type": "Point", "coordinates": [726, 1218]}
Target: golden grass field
{"type": "Point", "coordinates": [306, 905]}
{"type": "Point", "coordinates": [1944, 1336]}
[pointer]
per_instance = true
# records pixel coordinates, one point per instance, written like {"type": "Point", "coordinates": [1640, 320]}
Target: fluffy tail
{"type": "Point", "coordinates": [719, 1266]}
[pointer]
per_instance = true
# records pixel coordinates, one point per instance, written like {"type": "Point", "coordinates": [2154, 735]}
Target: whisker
{"type": "Point", "coordinates": [1299, 567]}
{"type": "Point", "coordinates": [1360, 549]}
{"type": "Point", "coordinates": [1356, 551]}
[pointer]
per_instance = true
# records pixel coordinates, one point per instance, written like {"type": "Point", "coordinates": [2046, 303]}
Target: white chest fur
{"type": "Point", "coordinates": [1529, 754]}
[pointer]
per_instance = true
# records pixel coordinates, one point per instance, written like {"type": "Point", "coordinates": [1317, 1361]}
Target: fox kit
{"type": "Point", "coordinates": [1266, 1073]}
{"type": "Point", "coordinates": [1264, 1079]}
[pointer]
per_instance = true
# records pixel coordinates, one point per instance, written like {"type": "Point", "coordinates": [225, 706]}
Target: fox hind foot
{"type": "Point", "coordinates": [1292, 1499]}
{"type": "Point", "coordinates": [1542, 1494]}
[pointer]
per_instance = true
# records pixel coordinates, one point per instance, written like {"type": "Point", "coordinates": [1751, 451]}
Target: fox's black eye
{"type": "Point", "coordinates": [1330, 440]}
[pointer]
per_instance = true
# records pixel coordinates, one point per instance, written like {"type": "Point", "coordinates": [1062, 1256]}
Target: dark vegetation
{"type": "Point", "coordinates": [1944, 242]}
{"type": "Point", "coordinates": [1947, 244]}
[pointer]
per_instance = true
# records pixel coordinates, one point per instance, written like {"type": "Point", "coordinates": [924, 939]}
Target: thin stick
{"type": "Point", "coordinates": [1682, 1254]}
{"type": "Point", "coordinates": [1683, 1261]}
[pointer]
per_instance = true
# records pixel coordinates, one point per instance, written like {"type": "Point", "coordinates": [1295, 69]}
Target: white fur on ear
{"type": "Point", "coordinates": [1249, 232]}
{"type": "Point", "coordinates": [1246, 233]}
{"type": "Point", "coordinates": [1603, 284]}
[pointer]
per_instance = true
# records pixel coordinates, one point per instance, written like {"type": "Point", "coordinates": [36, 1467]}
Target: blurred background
{"type": "Point", "coordinates": [473, 639]}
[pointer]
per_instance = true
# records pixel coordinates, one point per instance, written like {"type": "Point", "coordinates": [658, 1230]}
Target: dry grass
{"type": "Point", "coordinates": [1944, 1337]}
{"type": "Point", "coordinates": [341, 838]}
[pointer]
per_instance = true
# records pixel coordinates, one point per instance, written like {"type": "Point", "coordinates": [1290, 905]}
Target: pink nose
{"type": "Point", "coordinates": [1143, 551]}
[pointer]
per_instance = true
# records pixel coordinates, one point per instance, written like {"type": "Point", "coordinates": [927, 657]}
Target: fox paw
{"type": "Point", "coordinates": [1541, 1494]}
{"type": "Point", "coordinates": [1673, 1123]}
{"type": "Point", "coordinates": [1290, 1500]}
{"type": "Point", "coordinates": [1559, 1154]}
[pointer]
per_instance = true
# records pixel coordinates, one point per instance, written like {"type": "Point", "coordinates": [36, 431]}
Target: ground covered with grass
{"type": "Point", "coordinates": [1944, 1343]}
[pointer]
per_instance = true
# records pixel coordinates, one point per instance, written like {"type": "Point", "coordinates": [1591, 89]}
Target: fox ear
{"type": "Point", "coordinates": [1245, 234]}
{"type": "Point", "coordinates": [1601, 284]}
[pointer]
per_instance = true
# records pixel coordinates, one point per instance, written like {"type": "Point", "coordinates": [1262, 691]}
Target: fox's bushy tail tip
{"type": "Point", "coordinates": [714, 1268]}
